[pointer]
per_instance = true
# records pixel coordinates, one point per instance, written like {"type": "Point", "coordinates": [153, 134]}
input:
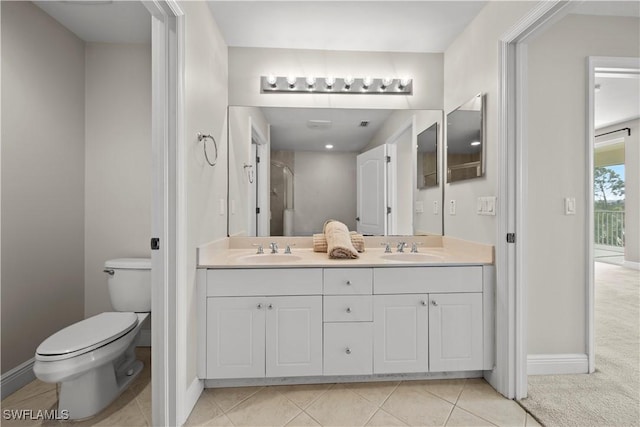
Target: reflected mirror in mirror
{"type": "Point", "coordinates": [465, 140]}
{"type": "Point", "coordinates": [291, 169]}
{"type": "Point", "coordinates": [427, 166]}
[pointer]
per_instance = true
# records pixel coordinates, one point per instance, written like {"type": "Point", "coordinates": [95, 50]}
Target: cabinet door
{"type": "Point", "coordinates": [235, 337]}
{"type": "Point", "coordinates": [400, 340]}
{"type": "Point", "coordinates": [455, 332]}
{"type": "Point", "coordinates": [294, 336]}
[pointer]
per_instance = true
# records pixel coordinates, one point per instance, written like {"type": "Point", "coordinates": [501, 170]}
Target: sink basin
{"type": "Point", "coordinates": [411, 257]}
{"type": "Point", "coordinates": [268, 258]}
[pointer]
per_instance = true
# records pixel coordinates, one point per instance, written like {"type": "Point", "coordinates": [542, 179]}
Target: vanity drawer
{"type": "Point", "coordinates": [422, 280]}
{"type": "Point", "coordinates": [348, 308]}
{"type": "Point", "coordinates": [348, 348]}
{"type": "Point", "coordinates": [348, 281]}
{"type": "Point", "coordinates": [264, 281]}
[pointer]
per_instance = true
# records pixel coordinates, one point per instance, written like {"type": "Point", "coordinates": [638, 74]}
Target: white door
{"type": "Point", "coordinates": [235, 337]}
{"type": "Point", "coordinates": [372, 191]}
{"type": "Point", "coordinates": [252, 176]}
{"type": "Point", "coordinates": [294, 336]}
{"type": "Point", "coordinates": [400, 333]}
{"type": "Point", "coordinates": [455, 332]}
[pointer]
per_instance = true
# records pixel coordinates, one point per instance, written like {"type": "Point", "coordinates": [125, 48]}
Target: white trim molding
{"type": "Point", "coordinates": [557, 364]}
{"type": "Point", "coordinates": [632, 265]}
{"type": "Point", "coordinates": [191, 397]}
{"type": "Point", "coordinates": [16, 378]}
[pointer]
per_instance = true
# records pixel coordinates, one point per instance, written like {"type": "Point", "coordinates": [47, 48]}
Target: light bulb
{"type": "Point", "coordinates": [328, 146]}
{"type": "Point", "coordinates": [329, 81]}
{"type": "Point", "coordinates": [291, 80]}
{"type": "Point", "coordinates": [366, 82]}
{"type": "Point", "coordinates": [272, 80]}
{"type": "Point", "coordinates": [475, 143]}
{"type": "Point", "coordinates": [311, 81]}
{"type": "Point", "coordinates": [386, 82]}
{"type": "Point", "coordinates": [404, 83]}
{"type": "Point", "coordinates": [348, 81]}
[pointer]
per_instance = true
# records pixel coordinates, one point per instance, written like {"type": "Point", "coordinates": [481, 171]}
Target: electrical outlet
{"type": "Point", "coordinates": [436, 208]}
{"type": "Point", "coordinates": [452, 207]}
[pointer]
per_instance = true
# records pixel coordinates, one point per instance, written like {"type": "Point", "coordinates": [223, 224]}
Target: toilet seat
{"type": "Point", "coordinates": [86, 335]}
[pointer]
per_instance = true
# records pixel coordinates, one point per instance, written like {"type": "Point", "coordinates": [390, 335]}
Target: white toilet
{"type": "Point", "coordinates": [94, 359]}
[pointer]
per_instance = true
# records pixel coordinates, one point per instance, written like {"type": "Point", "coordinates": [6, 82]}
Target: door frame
{"type": "Point", "coordinates": [593, 63]}
{"type": "Point", "coordinates": [262, 176]}
{"type": "Point", "coordinates": [168, 211]}
{"type": "Point", "coordinates": [510, 375]}
{"type": "Point", "coordinates": [392, 173]}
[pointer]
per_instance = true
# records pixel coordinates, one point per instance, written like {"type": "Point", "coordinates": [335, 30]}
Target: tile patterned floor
{"type": "Point", "coordinates": [462, 402]}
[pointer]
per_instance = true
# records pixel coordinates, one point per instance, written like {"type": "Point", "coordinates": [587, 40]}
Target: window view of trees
{"type": "Point", "coordinates": [609, 218]}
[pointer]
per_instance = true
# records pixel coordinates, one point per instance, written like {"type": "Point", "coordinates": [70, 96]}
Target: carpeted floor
{"type": "Point", "coordinates": [611, 395]}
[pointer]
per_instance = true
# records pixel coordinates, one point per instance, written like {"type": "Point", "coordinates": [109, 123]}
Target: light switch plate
{"type": "Point", "coordinates": [486, 205]}
{"type": "Point", "coordinates": [452, 207]}
{"type": "Point", "coordinates": [436, 208]}
{"type": "Point", "coordinates": [569, 205]}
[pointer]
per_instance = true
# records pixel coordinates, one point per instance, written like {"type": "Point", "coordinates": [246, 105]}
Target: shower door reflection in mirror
{"type": "Point", "coordinates": [305, 170]}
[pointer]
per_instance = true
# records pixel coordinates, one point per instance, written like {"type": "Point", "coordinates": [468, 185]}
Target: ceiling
{"type": "Point", "coordinates": [378, 26]}
{"type": "Point", "coordinates": [290, 128]}
{"type": "Point", "coordinates": [617, 100]}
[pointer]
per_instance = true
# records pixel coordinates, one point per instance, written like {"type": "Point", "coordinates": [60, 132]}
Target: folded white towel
{"type": "Point", "coordinates": [339, 244]}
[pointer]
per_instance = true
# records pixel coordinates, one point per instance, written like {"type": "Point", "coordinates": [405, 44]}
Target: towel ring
{"type": "Point", "coordinates": [203, 137]}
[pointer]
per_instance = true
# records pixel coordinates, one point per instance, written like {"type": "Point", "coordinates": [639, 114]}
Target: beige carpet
{"type": "Point", "coordinates": [610, 396]}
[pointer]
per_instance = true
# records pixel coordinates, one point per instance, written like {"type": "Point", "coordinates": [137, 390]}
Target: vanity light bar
{"type": "Point", "coordinates": [335, 85]}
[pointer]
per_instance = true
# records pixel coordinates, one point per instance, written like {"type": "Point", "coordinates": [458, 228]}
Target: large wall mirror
{"type": "Point", "coordinates": [465, 140]}
{"type": "Point", "coordinates": [291, 169]}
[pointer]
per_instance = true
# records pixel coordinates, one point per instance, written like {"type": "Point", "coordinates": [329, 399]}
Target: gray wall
{"type": "Point", "coordinates": [205, 106]}
{"type": "Point", "coordinates": [557, 152]}
{"type": "Point", "coordinates": [117, 161]}
{"type": "Point", "coordinates": [42, 180]}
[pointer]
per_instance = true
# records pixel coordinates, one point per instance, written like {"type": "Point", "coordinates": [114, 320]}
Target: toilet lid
{"type": "Point", "coordinates": [87, 335]}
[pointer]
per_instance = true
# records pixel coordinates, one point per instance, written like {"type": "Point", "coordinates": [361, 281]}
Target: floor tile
{"type": "Point", "coordinates": [42, 401]}
{"type": "Point", "coordinates": [480, 399]}
{"type": "Point", "coordinates": [204, 410]}
{"type": "Point", "coordinates": [446, 389]}
{"type": "Point", "coordinates": [143, 397]}
{"type": "Point", "coordinates": [303, 420]}
{"type": "Point", "coordinates": [531, 422]}
{"type": "Point", "coordinates": [341, 407]}
{"type": "Point", "coordinates": [227, 398]}
{"type": "Point", "coordinates": [32, 389]}
{"type": "Point", "coordinates": [461, 418]}
{"type": "Point", "coordinates": [265, 408]}
{"type": "Point", "coordinates": [219, 421]}
{"type": "Point", "coordinates": [375, 393]}
{"type": "Point", "coordinates": [128, 416]}
{"type": "Point", "coordinates": [302, 395]}
{"type": "Point", "coordinates": [417, 407]}
{"type": "Point", "coordinates": [382, 419]}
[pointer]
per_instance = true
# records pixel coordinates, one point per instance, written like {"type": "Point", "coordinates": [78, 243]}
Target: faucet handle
{"type": "Point", "coordinates": [401, 246]}
{"type": "Point", "coordinates": [260, 248]}
{"type": "Point", "coordinates": [387, 247]}
{"type": "Point", "coordinates": [287, 249]}
{"type": "Point", "coordinates": [414, 247]}
{"type": "Point", "coordinates": [274, 247]}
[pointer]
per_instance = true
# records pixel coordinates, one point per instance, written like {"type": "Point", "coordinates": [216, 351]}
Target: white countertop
{"type": "Point", "coordinates": [238, 252]}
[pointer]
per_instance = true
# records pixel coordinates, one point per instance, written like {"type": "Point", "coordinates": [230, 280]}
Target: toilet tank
{"type": "Point", "coordinates": [129, 282]}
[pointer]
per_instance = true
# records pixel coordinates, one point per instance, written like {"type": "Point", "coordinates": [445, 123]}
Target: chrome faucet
{"type": "Point", "coordinates": [401, 246]}
{"type": "Point", "coordinates": [387, 248]}
{"type": "Point", "coordinates": [414, 248]}
{"type": "Point", "coordinates": [260, 250]}
{"type": "Point", "coordinates": [287, 249]}
{"type": "Point", "coordinates": [274, 247]}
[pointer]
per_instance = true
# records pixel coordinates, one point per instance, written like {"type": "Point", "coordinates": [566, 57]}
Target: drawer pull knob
{"type": "Point", "coordinates": [259, 306]}
{"type": "Point", "coordinates": [348, 282]}
{"type": "Point", "coordinates": [348, 350]}
{"type": "Point", "coordinates": [348, 309]}
{"type": "Point", "coordinates": [270, 306]}
{"type": "Point", "coordinates": [435, 304]}
{"type": "Point", "coordinates": [423, 302]}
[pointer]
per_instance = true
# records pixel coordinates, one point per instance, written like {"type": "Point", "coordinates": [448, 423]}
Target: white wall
{"type": "Point", "coordinates": [405, 182]}
{"type": "Point", "coordinates": [117, 162]}
{"type": "Point", "coordinates": [246, 65]}
{"type": "Point", "coordinates": [206, 100]}
{"type": "Point", "coordinates": [557, 150]}
{"type": "Point", "coordinates": [241, 119]}
{"type": "Point", "coordinates": [632, 187]}
{"type": "Point", "coordinates": [470, 67]}
{"type": "Point", "coordinates": [324, 187]}
{"type": "Point", "coordinates": [42, 179]}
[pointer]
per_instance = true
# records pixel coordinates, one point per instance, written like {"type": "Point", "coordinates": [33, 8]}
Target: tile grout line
{"type": "Point", "coordinates": [241, 401]}
{"type": "Point", "coordinates": [390, 394]}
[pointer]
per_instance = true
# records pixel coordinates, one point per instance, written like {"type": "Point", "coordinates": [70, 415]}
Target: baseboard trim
{"type": "Point", "coordinates": [557, 364]}
{"type": "Point", "coordinates": [191, 398]}
{"type": "Point", "coordinates": [17, 377]}
{"type": "Point", "coordinates": [145, 338]}
{"type": "Point", "coordinates": [632, 265]}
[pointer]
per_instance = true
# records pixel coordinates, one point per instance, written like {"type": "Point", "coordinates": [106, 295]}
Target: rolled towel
{"type": "Point", "coordinates": [320, 242]}
{"type": "Point", "coordinates": [339, 244]}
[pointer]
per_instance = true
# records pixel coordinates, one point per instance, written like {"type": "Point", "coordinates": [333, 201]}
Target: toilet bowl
{"type": "Point", "coordinates": [94, 360]}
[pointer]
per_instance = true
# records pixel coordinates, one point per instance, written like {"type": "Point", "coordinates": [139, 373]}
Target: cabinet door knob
{"type": "Point", "coordinates": [423, 302]}
{"type": "Point", "coordinates": [348, 282]}
{"type": "Point", "coordinates": [270, 306]}
{"type": "Point", "coordinates": [348, 309]}
{"type": "Point", "coordinates": [259, 306]}
{"type": "Point", "coordinates": [434, 303]}
{"type": "Point", "coordinates": [348, 350]}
